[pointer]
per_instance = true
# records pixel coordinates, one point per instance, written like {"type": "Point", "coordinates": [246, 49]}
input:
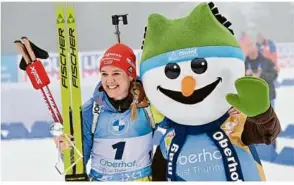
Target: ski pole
{"type": "Point", "coordinates": [38, 76]}
{"type": "Point", "coordinates": [27, 43]}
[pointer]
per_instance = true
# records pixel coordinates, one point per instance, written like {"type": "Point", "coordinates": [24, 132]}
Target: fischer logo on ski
{"type": "Point", "coordinates": [62, 56]}
{"type": "Point", "coordinates": [73, 57]}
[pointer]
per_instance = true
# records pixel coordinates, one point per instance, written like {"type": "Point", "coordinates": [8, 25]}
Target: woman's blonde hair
{"type": "Point", "coordinates": [139, 98]}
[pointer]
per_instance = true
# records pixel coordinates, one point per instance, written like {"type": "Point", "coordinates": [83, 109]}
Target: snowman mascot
{"type": "Point", "coordinates": [193, 72]}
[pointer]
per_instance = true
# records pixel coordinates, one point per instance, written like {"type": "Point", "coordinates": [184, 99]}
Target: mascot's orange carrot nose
{"type": "Point", "coordinates": [188, 86]}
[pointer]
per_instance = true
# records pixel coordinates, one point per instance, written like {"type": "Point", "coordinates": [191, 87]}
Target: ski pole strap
{"type": "Point", "coordinates": [96, 113]}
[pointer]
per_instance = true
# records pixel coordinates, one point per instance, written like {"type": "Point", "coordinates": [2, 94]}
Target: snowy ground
{"type": "Point", "coordinates": [34, 160]}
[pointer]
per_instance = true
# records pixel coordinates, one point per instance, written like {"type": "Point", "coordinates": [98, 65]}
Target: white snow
{"type": "Point", "coordinates": [275, 172]}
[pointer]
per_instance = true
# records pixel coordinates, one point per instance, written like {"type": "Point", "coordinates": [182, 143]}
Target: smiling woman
{"type": "Point", "coordinates": [115, 121]}
{"type": "Point", "coordinates": [115, 82]}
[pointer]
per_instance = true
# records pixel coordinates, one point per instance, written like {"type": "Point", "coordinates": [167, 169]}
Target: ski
{"type": "Point", "coordinates": [74, 168]}
{"type": "Point", "coordinates": [75, 86]}
{"type": "Point", "coordinates": [64, 84]}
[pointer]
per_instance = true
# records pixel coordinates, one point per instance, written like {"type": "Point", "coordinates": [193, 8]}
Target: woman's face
{"type": "Point", "coordinates": [115, 82]}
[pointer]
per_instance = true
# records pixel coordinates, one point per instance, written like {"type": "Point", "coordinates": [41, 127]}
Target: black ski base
{"type": "Point", "coordinates": [77, 177]}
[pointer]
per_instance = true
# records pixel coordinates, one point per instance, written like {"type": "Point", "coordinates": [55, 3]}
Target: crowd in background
{"type": "Point", "coordinates": [261, 61]}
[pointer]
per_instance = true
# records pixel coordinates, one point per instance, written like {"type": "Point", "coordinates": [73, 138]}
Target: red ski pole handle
{"type": "Point", "coordinates": [37, 75]}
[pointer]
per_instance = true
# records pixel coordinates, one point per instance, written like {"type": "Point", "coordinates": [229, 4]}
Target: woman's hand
{"type": "Point", "coordinates": [62, 142]}
{"type": "Point", "coordinates": [233, 111]}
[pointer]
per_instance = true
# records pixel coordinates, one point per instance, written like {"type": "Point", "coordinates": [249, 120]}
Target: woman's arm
{"type": "Point", "coordinates": [87, 133]}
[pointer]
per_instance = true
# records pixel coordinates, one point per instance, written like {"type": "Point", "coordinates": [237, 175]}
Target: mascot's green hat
{"type": "Point", "coordinates": [204, 26]}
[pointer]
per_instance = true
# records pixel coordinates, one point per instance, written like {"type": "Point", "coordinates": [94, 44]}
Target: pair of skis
{"type": "Point", "coordinates": [70, 91]}
{"type": "Point", "coordinates": [74, 168]}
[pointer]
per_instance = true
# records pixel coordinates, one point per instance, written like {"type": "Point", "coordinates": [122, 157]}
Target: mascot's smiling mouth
{"type": "Point", "coordinates": [197, 96]}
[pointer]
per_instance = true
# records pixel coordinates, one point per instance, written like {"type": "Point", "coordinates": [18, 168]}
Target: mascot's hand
{"type": "Point", "coordinates": [252, 98]}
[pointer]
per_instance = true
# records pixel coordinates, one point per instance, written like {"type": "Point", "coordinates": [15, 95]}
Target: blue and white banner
{"type": "Point", "coordinates": [9, 69]}
{"type": "Point", "coordinates": [89, 64]}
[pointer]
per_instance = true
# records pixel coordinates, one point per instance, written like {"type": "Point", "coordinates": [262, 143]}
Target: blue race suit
{"type": "Point", "coordinates": [120, 148]}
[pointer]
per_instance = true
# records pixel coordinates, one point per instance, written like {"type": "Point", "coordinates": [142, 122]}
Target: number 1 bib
{"type": "Point", "coordinates": [112, 156]}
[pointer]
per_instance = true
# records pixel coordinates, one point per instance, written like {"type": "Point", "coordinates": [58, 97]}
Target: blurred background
{"type": "Point", "coordinates": [265, 31]}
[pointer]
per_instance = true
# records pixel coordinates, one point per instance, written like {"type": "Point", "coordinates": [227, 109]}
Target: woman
{"type": "Point", "coordinates": [121, 144]}
{"type": "Point", "coordinates": [122, 123]}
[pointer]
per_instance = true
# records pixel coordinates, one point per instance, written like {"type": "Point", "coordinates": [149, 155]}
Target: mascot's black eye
{"type": "Point", "coordinates": [199, 65]}
{"type": "Point", "coordinates": [172, 70]}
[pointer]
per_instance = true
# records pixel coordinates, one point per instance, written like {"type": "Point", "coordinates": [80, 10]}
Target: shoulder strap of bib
{"type": "Point", "coordinates": [149, 114]}
{"type": "Point", "coordinates": [96, 112]}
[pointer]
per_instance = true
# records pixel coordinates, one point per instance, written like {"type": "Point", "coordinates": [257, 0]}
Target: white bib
{"type": "Point", "coordinates": [111, 156]}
